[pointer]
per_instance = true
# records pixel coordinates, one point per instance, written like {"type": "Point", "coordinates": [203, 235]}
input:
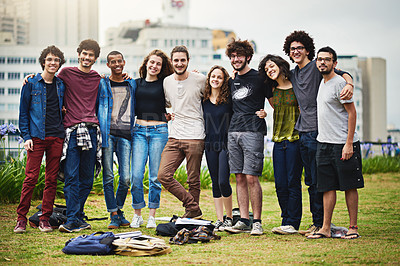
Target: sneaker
{"type": "Point", "coordinates": [257, 229]}
{"type": "Point", "coordinates": [239, 227]}
{"type": "Point", "coordinates": [284, 230]}
{"type": "Point", "coordinates": [20, 227]}
{"type": "Point", "coordinates": [115, 222]}
{"type": "Point", "coordinates": [137, 221]}
{"type": "Point", "coordinates": [217, 225]}
{"type": "Point", "coordinates": [44, 226]}
{"type": "Point", "coordinates": [151, 222]}
{"type": "Point", "coordinates": [226, 224]}
{"type": "Point", "coordinates": [69, 227]}
{"type": "Point", "coordinates": [124, 222]}
{"type": "Point", "coordinates": [195, 214]}
{"type": "Point", "coordinates": [310, 229]}
{"type": "Point", "coordinates": [84, 225]}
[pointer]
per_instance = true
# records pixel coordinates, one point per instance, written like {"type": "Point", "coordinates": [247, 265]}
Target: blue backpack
{"type": "Point", "coordinates": [98, 243]}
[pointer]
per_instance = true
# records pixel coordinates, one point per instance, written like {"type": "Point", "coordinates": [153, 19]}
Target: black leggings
{"type": "Point", "coordinates": [217, 162]}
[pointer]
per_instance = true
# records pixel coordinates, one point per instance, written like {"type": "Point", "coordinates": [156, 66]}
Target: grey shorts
{"type": "Point", "coordinates": [246, 153]}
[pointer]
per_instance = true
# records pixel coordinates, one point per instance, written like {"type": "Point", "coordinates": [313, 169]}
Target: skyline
{"type": "Point", "coordinates": [347, 27]}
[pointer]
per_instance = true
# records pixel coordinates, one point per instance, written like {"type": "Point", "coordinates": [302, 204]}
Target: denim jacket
{"type": "Point", "coordinates": [32, 108]}
{"type": "Point", "coordinates": [105, 105]}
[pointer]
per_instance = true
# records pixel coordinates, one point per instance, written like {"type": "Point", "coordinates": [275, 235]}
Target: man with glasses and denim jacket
{"type": "Point", "coordinates": [305, 78]}
{"type": "Point", "coordinates": [40, 122]}
{"type": "Point", "coordinates": [116, 114]}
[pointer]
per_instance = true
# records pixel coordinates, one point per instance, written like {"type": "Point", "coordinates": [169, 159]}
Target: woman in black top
{"type": "Point", "coordinates": [217, 109]}
{"type": "Point", "coordinates": [150, 133]}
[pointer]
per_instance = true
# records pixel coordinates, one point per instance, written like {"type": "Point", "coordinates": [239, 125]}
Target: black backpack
{"type": "Point", "coordinates": [57, 218]}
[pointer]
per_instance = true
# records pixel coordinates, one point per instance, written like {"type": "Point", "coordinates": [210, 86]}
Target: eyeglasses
{"type": "Point", "coordinates": [113, 62]}
{"type": "Point", "coordinates": [326, 59]}
{"type": "Point", "coordinates": [298, 48]}
{"type": "Point", "coordinates": [49, 59]}
{"type": "Point", "coordinates": [236, 56]}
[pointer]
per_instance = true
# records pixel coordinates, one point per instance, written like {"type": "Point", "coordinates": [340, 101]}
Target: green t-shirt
{"type": "Point", "coordinates": [286, 113]}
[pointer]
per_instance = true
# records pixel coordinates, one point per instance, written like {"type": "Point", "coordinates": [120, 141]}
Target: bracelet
{"type": "Point", "coordinates": [350, 84]}
{"type": "Point", "coordinates": [353, 227]}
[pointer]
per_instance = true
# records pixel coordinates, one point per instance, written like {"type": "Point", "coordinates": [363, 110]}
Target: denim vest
{"type": "Point", "coordinates": [105, 105]}
{"type": "Point", "coordinates": [32, 107]}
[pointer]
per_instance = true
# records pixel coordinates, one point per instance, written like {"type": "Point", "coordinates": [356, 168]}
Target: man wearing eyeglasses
{"type": "Point", "coordinates": [305, 78]}
{"type": "Point", "coordinates": [339, 165]}
{"type": "Point", "coordinates": [116, 114]}
{"type": "Point", "coordinates": [40, 122]}
{"type": "Point", "coordinates": [183, 92]}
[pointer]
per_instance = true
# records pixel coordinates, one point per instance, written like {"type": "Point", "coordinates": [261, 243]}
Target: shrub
{"type": "Point", "coordinates": [381, 164]}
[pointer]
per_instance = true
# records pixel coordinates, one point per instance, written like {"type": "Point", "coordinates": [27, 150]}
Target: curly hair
{"type": "Point", "coordinates": [283, 65]}
{"type": "Point", "coordinates": [89, 44]}
{"type": "Point", "coordinates": [51, 50]}
{"type": "Point", "coordinates": [240, 47]}
{"type": "Point", "coordinates": [166, 67]}
{"type": "Point", "coordinates": [302, 37]}
{"type": "Point", "coordinates": [224, 91]}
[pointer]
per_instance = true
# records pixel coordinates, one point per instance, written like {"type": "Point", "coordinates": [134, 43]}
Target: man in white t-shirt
{"type": "Point", "coordinates": [183, 92]}
{"type": "Point", "coordinates": [339, 165]}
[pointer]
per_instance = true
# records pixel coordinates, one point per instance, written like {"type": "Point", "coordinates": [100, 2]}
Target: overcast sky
{"type": "Point", "coordinates": [366, 28]}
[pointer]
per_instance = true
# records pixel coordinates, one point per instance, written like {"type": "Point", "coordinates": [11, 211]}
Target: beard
{"type": "Point", "coordinates": [180, 72]}
{"type": "Point", "coordinates": [326, 71]}
{"type": "Point", "coordinates": [241, 67]}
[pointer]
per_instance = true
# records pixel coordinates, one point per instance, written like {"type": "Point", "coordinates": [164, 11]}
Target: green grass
{"type": "Point", "coordinates": [379, 224]}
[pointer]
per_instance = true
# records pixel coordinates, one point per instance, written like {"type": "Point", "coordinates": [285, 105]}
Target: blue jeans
{"type": "Point", "coordinates": [79, 174]}
{"type": "Point", "coordinates": [287, 172]}
{"type": "Point", "coordinates": [148, 143]}
{"type": "Point", "coordinates": [122, 148]}
{"type": "Point", "coordinates": [308, 151]}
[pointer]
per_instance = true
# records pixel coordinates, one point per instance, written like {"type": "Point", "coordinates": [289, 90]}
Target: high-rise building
{"type": "Point", "coordinates": [14, 22]}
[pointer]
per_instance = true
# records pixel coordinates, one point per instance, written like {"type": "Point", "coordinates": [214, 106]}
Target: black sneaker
{"type": "Point", "coordinates": [69, 227]}
{"type": "Point", "coordinates": [84, 225]}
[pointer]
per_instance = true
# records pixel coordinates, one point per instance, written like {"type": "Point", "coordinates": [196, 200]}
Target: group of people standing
{"type": "Point", "coordinates": [217, 114]}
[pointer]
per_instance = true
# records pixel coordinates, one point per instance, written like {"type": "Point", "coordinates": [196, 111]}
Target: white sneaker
{"type": "Point", "coordinates": [151, 222]}
{"type": "Point", "coordinates": [257, 229]}
{"type": "Point", "coordinates": [137, 221]}
{"type": "Point", "coordinates": [284, 230]}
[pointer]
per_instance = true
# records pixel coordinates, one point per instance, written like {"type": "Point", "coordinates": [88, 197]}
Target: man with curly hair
{"type": "Point", "coordinates": [40, 122]}
{"type": "Point", "coordinates": [246, 135]}
{"type": "Point", "coordinates": [306, 78]}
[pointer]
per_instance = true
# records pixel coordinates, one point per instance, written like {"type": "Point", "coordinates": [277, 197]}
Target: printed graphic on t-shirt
{"type": "Point", "coordinates": [241, 91]}
{"type": "Point", "coordinates": [120, 116]}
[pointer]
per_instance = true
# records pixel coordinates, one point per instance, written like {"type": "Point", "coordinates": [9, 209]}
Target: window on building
{"type": "Point", "coordinates": [2, 121]}
{"type": "Point", "coordinates": [193, 43]}
{"type": "Point", "coordinates": [2, 91]}
{"type": "Point", "coordinates": [2, 60]}
{"type": "Point", "coordinates": [2, 107]}
{"type": "Point", "coordinates": [217, 56]}
{"type": "Point", "coordinates": [13, 107]}
{"type": "Point", "coordinates": [15, 122]}
{"type": "Point", "coordinates": [14, 75]}
{"type": "Point", "coordinates": [27, 73]}
{"type": "Point", "coordinates": [204, 59]}
{"type": "Point", "coordinates": [2, 75]}
{"type": "Point", "coordinates": [154, 43]}
{"type": "Point", "coordinates": [187, 43]}
{"type": "Point", "coordinates": [182, 42]}
{"type": "Point", "coordinates": [13, 60]}
{"type": "Point", "coordinates": [204, 43]}
{"type": "Point", "coordinates": [29, 60]}
{"type": "Point", "coordinates": [171, 43]}
{"type": "Point", "coordinates": [176, 42]}
{"type": "Point", "coordinates": [165, 43]}
{"type": "Point", "coordinates": [14, 91]}
{"type": "Point", "coordinates": [103, 61]}
{"type": "Point", "coordinates": [73, 61]}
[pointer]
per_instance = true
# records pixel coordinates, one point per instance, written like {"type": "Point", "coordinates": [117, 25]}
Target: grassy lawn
{"type": "Point", "coordinates": [379, 223]}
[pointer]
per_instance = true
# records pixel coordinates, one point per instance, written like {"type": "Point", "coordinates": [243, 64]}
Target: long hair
{"type": "Point", "coordinates": [166, 67]}
{"type": "Point", "coordinates": [224, 91]}
{"type": "Point", "coordinates": [283, 65]}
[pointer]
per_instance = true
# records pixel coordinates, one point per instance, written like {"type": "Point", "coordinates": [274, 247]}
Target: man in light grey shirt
{"type": "Point", "coordinates": [338, 150]}
{"type": "Point", "coordinates": [183, 91]}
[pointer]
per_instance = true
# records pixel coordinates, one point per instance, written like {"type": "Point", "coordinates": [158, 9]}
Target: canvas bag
{"type": "Point", "coordinates": [98, 243]}
{"type": "Point", "coordinates": [141, 246]}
